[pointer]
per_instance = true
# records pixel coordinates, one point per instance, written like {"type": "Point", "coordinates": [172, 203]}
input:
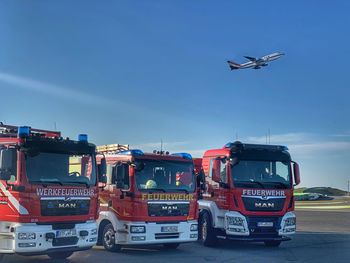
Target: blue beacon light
{"type": "Point", "coordinates": [183, 155]}
{"type": "Point", "coordinates": [82, 138]}
{"type": "Point", "coordinates": [23, 131]}
{"type": "Point", "coordinates": [132, 152]}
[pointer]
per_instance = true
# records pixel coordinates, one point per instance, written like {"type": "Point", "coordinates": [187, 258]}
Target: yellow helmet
{"type": "Point", "coordinates": [178, 183]}
{"type": "Point", "coordinates": [151, 184]}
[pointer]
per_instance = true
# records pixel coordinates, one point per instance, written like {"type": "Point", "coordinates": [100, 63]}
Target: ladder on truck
{"type": "Point", "coordinates": [112, 148]}
{"type": "Point", "coordinates": [11, 131]}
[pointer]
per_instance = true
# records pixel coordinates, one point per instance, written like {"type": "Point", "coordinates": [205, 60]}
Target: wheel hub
{"type": "Point", "coordinates": [109, 238]}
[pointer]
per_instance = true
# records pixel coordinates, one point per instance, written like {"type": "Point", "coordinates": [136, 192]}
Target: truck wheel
{"type": "Point", "coordinates": [272, 243]}
{"type": "Point", "coordinates": [109, 239]}
{"type": "Point", "coordinates": [60, 255]}
{"type": "Point", "coordinates": [206, 231]}
{"type": "Point", "coordinates": [171, 245]}
{"type": "Point", "coordinates": [1, 257]}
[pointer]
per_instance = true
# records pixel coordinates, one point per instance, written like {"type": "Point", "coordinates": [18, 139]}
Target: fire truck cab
{"type": "Point", "coordinates": [48, 193]}
{"type": "Point", "coordinates": [150, 198]}
{"type": "Point", "coordinates": [248, 194]}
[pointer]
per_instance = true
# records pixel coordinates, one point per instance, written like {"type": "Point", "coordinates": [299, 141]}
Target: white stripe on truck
{"type": "Point", "coordinates": [15, 203]}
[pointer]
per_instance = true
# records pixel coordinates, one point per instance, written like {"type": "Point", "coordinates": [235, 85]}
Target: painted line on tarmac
{"type": "Point", "coordinates": [319, 203]}
{"type": "Point", "coordinates": [325, 207]}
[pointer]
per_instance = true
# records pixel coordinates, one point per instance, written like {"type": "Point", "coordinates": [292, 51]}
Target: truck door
{"type": "Point", "coordinates": [218, 186]}
{"type": "Point", "coordinates": [124, 202]}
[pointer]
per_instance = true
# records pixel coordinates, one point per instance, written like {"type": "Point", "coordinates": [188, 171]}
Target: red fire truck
{"type": "Point", "coordinates": [48, 193]}
{"type": "Point", "coordinates": [150, 198]}
{"type": "Point", "coordinates": [248, 194]}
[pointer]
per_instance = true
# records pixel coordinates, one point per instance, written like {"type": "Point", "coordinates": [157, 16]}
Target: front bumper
{"type": "Point", "coordinates": [258, 228]}
{"type": "Point", "coordinates": [41, 244]}
{"type": "Point", "coordinates": [154, 235]}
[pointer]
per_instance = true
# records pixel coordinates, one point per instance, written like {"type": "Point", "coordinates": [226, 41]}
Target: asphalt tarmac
{"type": "Point", "coordinates": [323, 236]}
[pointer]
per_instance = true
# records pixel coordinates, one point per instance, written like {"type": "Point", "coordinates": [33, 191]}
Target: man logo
{"type": "Point", "coordinates": [65, 205]}
{"type": "Point", "coordinates": [265, 205]}
{"type": "Point", "coordinates": [169, 208]}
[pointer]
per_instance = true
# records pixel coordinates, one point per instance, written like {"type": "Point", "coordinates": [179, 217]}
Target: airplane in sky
{"type": "Point", "coordinates": [255, 63]}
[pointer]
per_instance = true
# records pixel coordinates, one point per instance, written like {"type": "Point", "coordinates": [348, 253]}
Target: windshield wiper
{"type": "Point", "coordinates": [47, 182]}
{"type": "Point", "coordinates": [180, 190]}
{"type": "Point", "coordinates": [156, 189]}
{"type": "Point", "coordinates": [279, 183]}
{"type": "Point", "coordinates": [259, 183]}
{"type": "Point", "coordinates": [250, 182]}
{"type": "Point", "coordinates": [78, 182]}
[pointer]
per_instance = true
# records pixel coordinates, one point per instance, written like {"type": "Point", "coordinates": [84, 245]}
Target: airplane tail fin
{"type": "Point", "coordinates": [233, 65]}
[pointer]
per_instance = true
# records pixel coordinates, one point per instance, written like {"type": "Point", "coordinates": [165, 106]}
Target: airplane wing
{"type": "Point", "coordinates": [250, 58]}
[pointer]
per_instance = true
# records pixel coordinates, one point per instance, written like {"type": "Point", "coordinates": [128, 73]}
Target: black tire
{"type": "Point", "coordinates": [108, 239]}
{"type": "Point", "coordinates": [272, 243]}
{"type": "Point", "coordinates": [171, 245]}
{"type": "Point", "coordinates": [60, 255]}
{"type": "Point", "coordinates": [1, 257]}
{"type": "Point", "coordinates": [206, 231]}
{"type": "Point", "coordinates": [101, 228]}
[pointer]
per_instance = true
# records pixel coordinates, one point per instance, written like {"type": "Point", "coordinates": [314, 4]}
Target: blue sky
{"type": "Point", "coordinates": [140, 71]}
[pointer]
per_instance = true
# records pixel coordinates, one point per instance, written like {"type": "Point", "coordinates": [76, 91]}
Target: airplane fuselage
{"type": "Point", "coordinates": [272, 57]}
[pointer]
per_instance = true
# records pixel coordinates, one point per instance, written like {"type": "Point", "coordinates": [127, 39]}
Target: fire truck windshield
{"type": "Point", "coordinates": [262, 174]}
{"type": "Point", "coordinates": [61, 168]}
{"type": "Point", "coordinates": [165, 176]}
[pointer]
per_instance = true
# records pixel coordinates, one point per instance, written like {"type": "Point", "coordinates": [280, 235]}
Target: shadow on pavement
{"type": "Point", "coordinates": [304, 246]}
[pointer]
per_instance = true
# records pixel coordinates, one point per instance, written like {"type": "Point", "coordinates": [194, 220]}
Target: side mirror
{"type": "Point", "coordinates": [215, 172]}
{"type": "Point", "coordinates": [102, 179]}
{"type": "Point", "coordinates": [121, 170]}
{"type": "Point", "coordinates": [139, 166]}
{"type": "Point", "coordinates": [7, 158]}
{"type": "Point", "coordinates": [201, 176]}
{"type": "Point", "coordinates": [102, 169]}
{"type": "Point", "coordinates": [201, 180]}
{"type": "Point", "coordinates": [296, 173]}
{"type": "Point", "coordinates": [5, 175]}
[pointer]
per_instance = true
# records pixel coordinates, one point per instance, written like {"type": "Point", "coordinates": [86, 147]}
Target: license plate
{"type": "Point", "coordinates": [265, 224]}
{"type": "Point", "coordinates": [169, 229]}
{"type": "Point", "coordinates": [66, 233]}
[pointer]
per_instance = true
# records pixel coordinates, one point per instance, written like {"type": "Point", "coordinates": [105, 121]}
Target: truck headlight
{"type": "Point", "coordinates": [26, 236]}
{"type": "Point", "coordinates": [138, 229]}
{"type": "Point", "coordinates": [93, 232]}
{"type": "Point", "coordinates": [194, 227]}
{"type": "Point", "coordinates": [290, 221]}
{"type": "Point", "coordinates": [237, 221]}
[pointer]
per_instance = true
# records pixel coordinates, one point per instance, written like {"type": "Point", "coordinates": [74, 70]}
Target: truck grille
{"type": "Point", "coordinates": [168, 209]}
{"type": "Point", "coordinates": [64, 241]}
{"type": "Point", "coordinates": [258, 204]}
{"type": "Point", "coordinates": [166, 235]}
{"type": "Point", "coordinates": [62, 207]}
